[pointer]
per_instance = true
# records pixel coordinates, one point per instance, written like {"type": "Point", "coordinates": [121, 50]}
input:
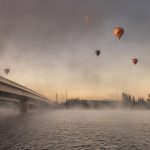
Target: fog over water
{"type": "Point", "coordinates": [75, 130]}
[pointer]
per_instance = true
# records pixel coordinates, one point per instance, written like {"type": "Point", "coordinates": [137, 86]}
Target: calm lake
{"type": "Point", "coordinates": [75, 130]}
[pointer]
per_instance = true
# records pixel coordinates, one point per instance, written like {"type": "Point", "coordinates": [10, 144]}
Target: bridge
{"type": "Point", "coordinates": [16, 93]}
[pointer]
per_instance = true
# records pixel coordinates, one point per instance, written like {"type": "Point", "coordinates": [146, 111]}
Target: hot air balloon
{"type": "Point", "coordinates": [135, 61]}
{"type": "Point", "coordinates": [97, 52]}
{"type": "Point", "coordinates": [6, 70]}
{"type": "Point", "coordinates": [87, 19]}
{"type": "Point", "coordinates": [118, 32]}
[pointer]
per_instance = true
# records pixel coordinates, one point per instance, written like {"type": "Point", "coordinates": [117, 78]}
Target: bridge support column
{"type": "Point", "coordinates": [23, 105]}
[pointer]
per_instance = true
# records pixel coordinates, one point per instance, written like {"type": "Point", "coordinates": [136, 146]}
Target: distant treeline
{"type": "Point", "coordinates": [127, 101]}
{"type": "Point", "coordinates": [130, 101]}
{"type": "Point", "coordinates": [97, 104]}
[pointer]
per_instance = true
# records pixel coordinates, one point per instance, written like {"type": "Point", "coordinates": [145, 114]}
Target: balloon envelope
{"type": "Point", "coordinates": [118, 32]}
{"type": "Point", "coordinates": [135, 61]}
{"type": "Point", "coordinates": [87, 19]}
{"type": "Point", "coordinates": [97, 52]}
{"type": "Point", "coordinates": [6, 70]}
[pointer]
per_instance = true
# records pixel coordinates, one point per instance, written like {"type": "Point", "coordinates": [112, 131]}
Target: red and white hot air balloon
{"type": "Point", "coordinates": [135, 61]}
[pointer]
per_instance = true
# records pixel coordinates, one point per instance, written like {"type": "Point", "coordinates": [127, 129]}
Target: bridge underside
{"type": "Point", "coordinates": [16, 93]}
{"type": "Point", "coordinates": [23, 101]}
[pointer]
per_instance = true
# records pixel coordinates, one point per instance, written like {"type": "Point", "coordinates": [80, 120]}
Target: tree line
{"type": "Point", "coordinates": [130, 101]}
{"type": "Point", "coordinates": [127, 101]}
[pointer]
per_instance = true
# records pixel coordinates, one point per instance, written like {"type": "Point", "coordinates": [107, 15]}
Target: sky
{"type": "Point", "coordinates": [50, 48]}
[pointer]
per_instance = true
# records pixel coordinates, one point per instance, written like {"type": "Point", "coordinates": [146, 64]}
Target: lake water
{"type": "Point", "coordinates": [75, 130]}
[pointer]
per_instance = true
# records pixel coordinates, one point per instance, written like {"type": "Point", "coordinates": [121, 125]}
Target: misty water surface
{"type": "Point", "coordinates": [75, 130]}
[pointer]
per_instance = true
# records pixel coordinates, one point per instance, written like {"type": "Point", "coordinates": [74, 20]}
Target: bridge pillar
{"type": "Point", "coordinates": [23, 105]}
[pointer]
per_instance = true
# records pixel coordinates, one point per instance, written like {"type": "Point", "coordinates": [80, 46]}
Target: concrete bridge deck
{"type": "Point", "coordinates": [11, 91]}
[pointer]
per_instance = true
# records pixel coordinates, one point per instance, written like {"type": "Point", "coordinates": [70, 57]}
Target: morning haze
{"type": "Point", "coordinates": [52, 48]}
